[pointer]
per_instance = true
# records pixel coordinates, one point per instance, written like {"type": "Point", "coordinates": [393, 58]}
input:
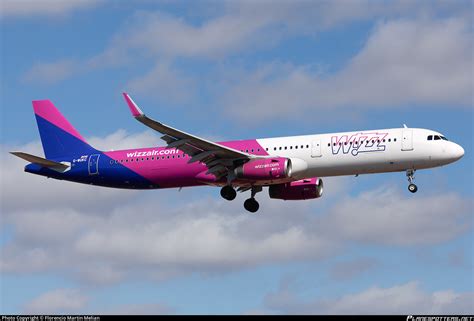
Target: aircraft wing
{"type": "Point", "coordinates": [218, 158]}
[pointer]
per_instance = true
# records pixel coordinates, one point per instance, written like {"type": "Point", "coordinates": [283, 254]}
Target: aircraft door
{"type": "Point", "coordinates": [407, 139]}
{"type": "Point", "coordinates": [94, 164]}
{"type": "Point", "coordinates": [316, 148]}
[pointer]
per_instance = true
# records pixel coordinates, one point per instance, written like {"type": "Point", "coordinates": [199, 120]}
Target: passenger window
{"type": "Point", "coordinates": [291, 147]}
{"type": "Point", "coordinates": [307, 146]}
{"type": "Point", "coordinates": [394, 139]}
{"type": "Point", "coordinates": [285, 147]}
{"type": "Point", "coordinates": [430, 137]}
{"type": "Point", "coordinates": [279, 148]}
{"type": "Point", "coordinates": [296, 147]}
{"type": "Point", "coordinates": [389, 140]}
{"type": "Point", "coordinates": [329, 144]}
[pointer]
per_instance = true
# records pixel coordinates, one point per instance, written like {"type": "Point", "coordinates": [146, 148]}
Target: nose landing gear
{"type": "Point", "coordinates": [411, 176]}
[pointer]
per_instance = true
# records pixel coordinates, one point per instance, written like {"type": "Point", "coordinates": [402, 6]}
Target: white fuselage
{"type": "Point", "coordinates": [363, 152]}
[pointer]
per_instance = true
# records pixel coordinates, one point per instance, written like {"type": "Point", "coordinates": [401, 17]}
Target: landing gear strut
{"type": "Point", "coordinates": [251, 203]}
{"type": "Point", "coordinates": [411, 176]}
{"type": "Point", "coordinates": [228, 192]}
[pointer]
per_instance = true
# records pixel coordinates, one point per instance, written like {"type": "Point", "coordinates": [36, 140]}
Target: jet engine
{"type": "Point", "coordinates": [298, 190]}
{"type": "Point", "coordinates": [264, 169]}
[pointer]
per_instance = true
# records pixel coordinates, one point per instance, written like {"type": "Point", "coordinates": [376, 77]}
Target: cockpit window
{"type": "Point", "coordinates": [443, 138]}
{"type": "Point", "coordinates": [430, 137]}
{"type": "Point", "coordinates": [437, 137]}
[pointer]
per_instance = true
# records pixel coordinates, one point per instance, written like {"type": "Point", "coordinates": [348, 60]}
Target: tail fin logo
{"type": "Point", "coordinates": [58, 136]}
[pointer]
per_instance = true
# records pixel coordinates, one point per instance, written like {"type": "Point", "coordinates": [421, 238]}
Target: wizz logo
{"type": "Point", "coordinates": [358, 143]}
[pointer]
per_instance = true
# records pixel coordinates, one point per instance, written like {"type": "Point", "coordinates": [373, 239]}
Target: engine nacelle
{"type": "Point", "coordinates": [265, 169]}
{"type": "Point", "coordinates": [297, 190]}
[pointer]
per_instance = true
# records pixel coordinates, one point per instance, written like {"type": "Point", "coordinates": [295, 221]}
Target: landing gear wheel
{"type": "Point", "coordinates": [411, 176]}
{"type": "Point", "coordinates": [251, 205]}
{"type": "Point", "coordinates": [228, 192]}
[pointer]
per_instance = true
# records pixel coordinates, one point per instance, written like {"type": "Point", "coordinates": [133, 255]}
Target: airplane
{"type": "Point", "coordinates": [291, 167]}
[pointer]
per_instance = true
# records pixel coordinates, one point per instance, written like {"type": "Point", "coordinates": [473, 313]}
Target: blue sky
{"type": "Point", "coordinates": [233, 70]}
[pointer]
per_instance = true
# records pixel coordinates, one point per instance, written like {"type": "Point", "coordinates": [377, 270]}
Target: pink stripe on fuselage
{"type": "Point", "coordinates": [46, 110]}
{"type": "Point", "coordinates": [169, 171]}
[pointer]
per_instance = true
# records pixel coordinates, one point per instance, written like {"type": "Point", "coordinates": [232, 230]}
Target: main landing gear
{"type": "Point", "coordinates": [251, 204]}
{"type": "Point", "coordinates": [411, 176]}
{"type": "Point", "coordinates": [228, 192]}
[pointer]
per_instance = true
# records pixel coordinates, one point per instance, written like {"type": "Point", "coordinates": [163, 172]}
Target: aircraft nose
{"type": "Point", "coordinates": [457, 151]}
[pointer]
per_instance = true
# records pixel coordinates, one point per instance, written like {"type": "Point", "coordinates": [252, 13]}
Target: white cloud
{"type": "Point", "coordinates": [121, 139]}
{"type": "Point", "coordinates": [102, 235]}
{"type": "Point", "coordinates": [346, 270]}
{"type": "Point", "coordinates": [165, 83]}
{"type": "Point", "coordinates": [47, 194]}
{"type": "Point", "coordinates": [62, 301]}
{"type": "Point", "coordinates": [406, 298]}
{"type": "Point", "coordinates": [139, 309]}
{"type": "Point", "coordinates": [49, 73]}
{"type": "Point", "coordinates": [383, 216]}
{"type": "Point", "coordinates": [18, 8]}
{"type": "Point", "coordinates": [404, 62]}
{"type": "Point", "coordinates": [104, 232]}
{"type": "Point", "coordinates": [230, 29]}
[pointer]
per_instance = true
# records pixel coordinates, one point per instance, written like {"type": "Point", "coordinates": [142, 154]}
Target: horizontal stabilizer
{"type": "Point", "coordinates": [40, 161]}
